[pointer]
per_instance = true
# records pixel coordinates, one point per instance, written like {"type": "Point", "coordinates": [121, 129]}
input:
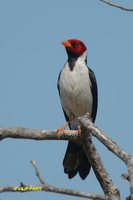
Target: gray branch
{"type": "Point", "coordinates": [85, 141]}
{"type": "Point", "coordinates": [36, 134]}
{"type": "Point", "coordinates": [101, 173]}
{"type": "Point", "coordinates": [93, 156]}
{"type": "Point", "coordinates": [109, 2]}
{"type": "Point", "coordinates": [27, 133]}
{"type": "Point", "coordinates": [111, 145]}
{"type": "Point", "coordinates": [98, 167]}
{"type": "Point", "coordinates": [65, 191]}
{"type": "Point", "coordinates": [50, 188]}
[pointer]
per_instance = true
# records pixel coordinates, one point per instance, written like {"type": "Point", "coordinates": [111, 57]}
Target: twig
{"type": "Point", "coordinates": [41, 179]}
{"type": "Point", "coordinates": [51, 188]}
{"type": "Point", "coordinates": [117, 5]}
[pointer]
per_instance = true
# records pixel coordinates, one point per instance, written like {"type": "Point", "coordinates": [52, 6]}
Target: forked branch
{"type": "Point", "coordinates": [85, 141]}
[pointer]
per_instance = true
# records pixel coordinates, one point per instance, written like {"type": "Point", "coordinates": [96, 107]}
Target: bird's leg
{"type": "Point", "coordinates": [79, 131]}
{"type": "Point", "coordinates": [59, 130]}
{"type": "Point", "coordinates": [62, 129]}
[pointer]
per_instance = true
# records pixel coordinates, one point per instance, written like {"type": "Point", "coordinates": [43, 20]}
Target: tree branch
{"type": "Point", "coordinates": [88, 146]}
{"type": "Point", "coordinates": [102, 137]}
{"type": "Point", "coordinates": [111, 145]}
{"type": "Point", "coordinates": [117, 5]}
{"type": "Point", "coordinates": [50, 188]}
{"type": "Point", "coordinates": [38, 174]}
{"type": "Point", "coordinates": [94, 158]}
{"type": "Point", "coordinates": [65, 191]}
{"type": "Point", "coordinates": [28, 133]}
{"type": "Point", "coordinates": [101, 174]}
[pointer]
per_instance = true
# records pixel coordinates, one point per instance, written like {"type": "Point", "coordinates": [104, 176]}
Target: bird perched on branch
{"type": "Point", "coordinates": [78, 94]}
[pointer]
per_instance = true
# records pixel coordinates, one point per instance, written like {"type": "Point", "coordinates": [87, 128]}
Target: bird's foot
{"type": "Point", "coordinates": [62, 130]}
{"type": "Point", "coordinates": [79, 131]}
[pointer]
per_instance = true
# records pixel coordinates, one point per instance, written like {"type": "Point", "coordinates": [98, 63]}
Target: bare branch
{"type": "Point", "coordinates": [111, 145]}
{"type": "Point", "coordinates": [28, 133]}
{"type": "Point", "coordinates": [102, 137]}
{"type": "Point", "coordinates": [41, 179]}
{"type": "Point", "coordinates": [89, 127]}
{"type": "Point", "coordinates": [117, 5]}
{"type": "Point", "coordinates": [94, 158]}
{"type": "Point", "coordinates": [65, 191]}
{"type": "Point", "coordinates": [101, 174]}
{"type": "Point", "coordinates": [50, 188]}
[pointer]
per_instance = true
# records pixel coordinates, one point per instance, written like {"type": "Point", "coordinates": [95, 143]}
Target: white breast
{"type": "Point", "coordinates": [75, 89]}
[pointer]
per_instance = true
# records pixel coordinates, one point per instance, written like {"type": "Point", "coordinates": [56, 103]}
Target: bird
{"type": "Point", "coordinates": [77, 87]}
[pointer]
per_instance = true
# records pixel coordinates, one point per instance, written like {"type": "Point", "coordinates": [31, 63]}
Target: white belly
{"type": "Point", "coordinates": [75, 92]}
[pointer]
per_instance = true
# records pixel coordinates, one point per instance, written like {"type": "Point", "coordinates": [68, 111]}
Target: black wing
{"type": "Point", "coordinates": [94, 91]}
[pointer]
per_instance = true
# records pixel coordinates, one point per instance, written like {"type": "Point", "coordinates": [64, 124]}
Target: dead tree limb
{"type": "Point", "coordinates": [98, 167]}
{"type": "Point", "coordinates": [65, 191]}
{"type": "Point", "coordinates": [117, 5]}
{"type": "Point", "coordinates": [111, 145]}
{"type": "Point", "coordinates": [93, 156]}
{"type": "Point", "coordinates": [36, 134]}
{"type": "Point", "coordinates": [88, 146]}
{"type": "Point", "coordinates": [101, 173]}
{"type": "Point", "coordinates": [50, 188]}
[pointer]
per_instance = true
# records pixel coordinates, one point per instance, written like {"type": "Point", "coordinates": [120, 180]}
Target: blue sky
{"type": "Point", "coordinates": [31, 58]}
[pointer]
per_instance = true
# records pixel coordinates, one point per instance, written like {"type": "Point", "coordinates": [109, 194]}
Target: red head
{"type": "Point", "coordinates": [74, 46]}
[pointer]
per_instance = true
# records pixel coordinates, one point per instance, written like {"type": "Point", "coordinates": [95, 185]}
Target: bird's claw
{"type": "Point", "coordinates": [60, 130]}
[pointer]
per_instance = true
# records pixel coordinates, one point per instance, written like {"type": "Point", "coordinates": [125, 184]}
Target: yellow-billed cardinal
{"type": "Point", "coordinates": [78, 94]}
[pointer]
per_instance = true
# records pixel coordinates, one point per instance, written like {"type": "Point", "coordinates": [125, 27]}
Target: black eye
{"type": "Point", "coordinates": [75, 44]}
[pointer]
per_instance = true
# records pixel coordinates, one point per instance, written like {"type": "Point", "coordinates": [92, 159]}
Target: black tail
{"type": "Point", "coordinates": [75, 160]}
